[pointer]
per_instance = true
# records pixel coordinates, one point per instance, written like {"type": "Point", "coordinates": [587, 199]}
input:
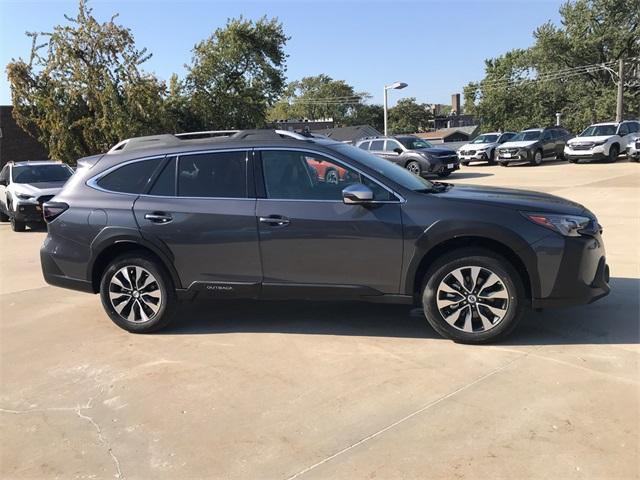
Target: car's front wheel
{"type": "Point", "coordinates": [137, 293]}
{"type": "Point", "coordinates": [414, 167]}
{"type": "Point", "coordinates": [537, 158]}
{"type": "Point", "coordinates": [473, 295]}
{"type": "Point", "coordinates": [17, 225]}
{"type": "Point", "coordinates": [614, 151]}
{"type": "Point", "coordinates": [4, 217]}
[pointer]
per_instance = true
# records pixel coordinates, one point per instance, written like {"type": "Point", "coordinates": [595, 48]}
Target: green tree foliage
{"type": "Point", "coordinates": [408, 116]}
{"type": "Point", "coordinates": [318, 97]}
{"type": "Point", "coordinates": [364, 114]}
{"type": "Point", "coordinates": [82, 89]}
{"type": "Point", "coordinates": [235, 75]}
{"type": "Point", "coordinates": [591, 32]}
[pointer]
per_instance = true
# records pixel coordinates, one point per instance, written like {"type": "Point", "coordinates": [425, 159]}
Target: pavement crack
{"type": "Point", "coordinates": [409, 416]}
{"type": "Point", "coordinates": [103, 441]}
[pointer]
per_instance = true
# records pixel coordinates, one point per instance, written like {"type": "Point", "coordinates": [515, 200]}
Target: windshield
{"type": "Point", "coordinates": [41, 173]}
{"type": "Point", "coordinates": [599, 131]}
{"type": "Point", "coordinates": [414, 143]}
{"type": "Point", "coordinates": [526, 136]}
{"type": "Point", "coordinates": [390, 170]}
{"type": "Point", "coordinates": [485, 139]}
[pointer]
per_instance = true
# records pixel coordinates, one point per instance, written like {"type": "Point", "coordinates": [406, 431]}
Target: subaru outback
{"type": "Point", "coordinates": [165, 219]}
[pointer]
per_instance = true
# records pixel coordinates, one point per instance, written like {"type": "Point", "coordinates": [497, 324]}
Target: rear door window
{"type": "Point", "coordinates": [365, 145]}
{"type": "Point", "coordinates": [215, 175]}
{"type": "Point", "coordinates": [165, 184]}
{"type": "Point", "coordinates": [377, 145]}
{"type": "Point", "coordinates": [130, 178]}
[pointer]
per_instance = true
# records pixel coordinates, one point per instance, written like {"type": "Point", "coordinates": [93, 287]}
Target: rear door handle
{"type": "Point", "coordinates": [158, 217]}
{"type": "Point", "coordinates": [275, 220]}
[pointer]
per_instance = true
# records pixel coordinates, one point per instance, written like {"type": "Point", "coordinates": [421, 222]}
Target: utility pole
{"type": "Point", "coordinates": [620, 102]}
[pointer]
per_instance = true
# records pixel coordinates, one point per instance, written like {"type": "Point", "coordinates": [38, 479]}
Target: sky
{"type": "Point", "coordinates": [436, 47]}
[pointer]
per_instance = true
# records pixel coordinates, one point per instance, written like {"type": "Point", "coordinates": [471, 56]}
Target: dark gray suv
{"type": "Point", "coordinates": [255, 215]}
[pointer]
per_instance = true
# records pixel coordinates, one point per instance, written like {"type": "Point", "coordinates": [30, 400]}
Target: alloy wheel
{"type": "Point", "coordinates": [135, 294]}
{"type": "Point", "coordinates": [472, 299]}
{"type": "Point", "coordinates": [414, 168]}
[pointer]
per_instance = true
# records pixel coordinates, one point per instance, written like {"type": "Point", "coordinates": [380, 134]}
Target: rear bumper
{"type": "Point", "coordinates": [53, 275]}
{"type": "Point", "coordinates": [580, 277]}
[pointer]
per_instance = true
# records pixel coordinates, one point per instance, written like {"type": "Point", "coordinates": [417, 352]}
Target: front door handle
{"type": "Point", "coordinates": [275, 220]}
{"type": "Point", "coordinates": [158, 217]}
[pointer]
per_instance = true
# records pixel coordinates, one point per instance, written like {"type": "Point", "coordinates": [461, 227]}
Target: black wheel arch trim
{"type": "Point", "coordinates": [116, 236]}
{"type": "Point", "coordinates": [444, 231]}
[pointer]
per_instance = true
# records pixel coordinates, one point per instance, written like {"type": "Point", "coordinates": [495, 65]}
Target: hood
{"type": "Point", "coordinates": [525, 200]}
{"type": "Point", "coordinates": [523, 143]}
{"type": "Point", "coordinates": [437, 152]}
{"type": "Point", "coordinates": [598, 138]}
{"type": "Point", "coordinates": [478, 146]}
{"type": "Point", "coordinates": [40, 188]}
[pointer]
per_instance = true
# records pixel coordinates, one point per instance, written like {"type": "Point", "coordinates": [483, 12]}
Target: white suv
{"type": "Point", "coordinates": [25, 186]}
{"type": "Point", "coordinates": [483, 147]}
{"type": "Point", "coordinates": [602, 141]}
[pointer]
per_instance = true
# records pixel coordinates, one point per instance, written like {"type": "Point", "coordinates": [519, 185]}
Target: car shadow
{"type": "Point", "coordinates": [35, 228]}
{"type": "Point", "coordinates": [614, 319]}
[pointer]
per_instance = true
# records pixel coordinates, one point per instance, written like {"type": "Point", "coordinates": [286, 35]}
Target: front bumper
{"type": "Point", "coordinates": [521, 156]}
{"type": "Point", "coordinates": [28, 213]}
{"type": "Point", "coordinates": [595, 153]}
{"type": "Point", "coordinates": [573, 271]}
{"type": "Point", "coordinates": [441, 166]}
{"type": "Point", "coordinates": [633, 151]}
{"type": "Point", "coordinates": [476, 157]}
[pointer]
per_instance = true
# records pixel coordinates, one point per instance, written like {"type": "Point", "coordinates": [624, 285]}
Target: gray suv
{"type": "Point", "coordinates": [164, 219]}
{"type": "Point", "coordinates": [413, 153]}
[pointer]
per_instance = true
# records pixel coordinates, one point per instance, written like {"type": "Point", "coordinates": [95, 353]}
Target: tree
{"type": "Point", "coordinates": [364, 114]}
{"type": "Point", "coordinates": [236, 74]}
{"type": "Point", "coordinates": [83, 90]}
{"type": "Point", "coordinates": [408, 116]}
{"type": "Point", "coordinates": [318, 97]}
{"type": "Point", "coordinates": [592, 33]}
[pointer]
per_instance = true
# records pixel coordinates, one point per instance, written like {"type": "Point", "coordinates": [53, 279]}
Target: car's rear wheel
{"type": "Point", "coordinates": [614, 151]}
{"type": "Point", "coordinates": [137, 293]}
{"type": "Point", "coordinates": [572, 160]}
{"type": "Point", "coordinates": [492, 157]}
{"type": "Point", "coordinates": [414, 167]}
{"type": "Point", "coordinates": [537, 158]}
{"type": "Point", "coordinates": [4, 217]}
{"type": "Point", "coordinates": [504, 164]}
{"type": "Point", "coordinates": [473, 295]}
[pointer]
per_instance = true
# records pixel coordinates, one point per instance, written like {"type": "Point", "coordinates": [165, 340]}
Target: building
{"type": "Point", "coordinates": [350, 134]}
{"type": "Point", "coordinates": [448, 135]}
{"type": "Point", "coordinates": [16, 144]}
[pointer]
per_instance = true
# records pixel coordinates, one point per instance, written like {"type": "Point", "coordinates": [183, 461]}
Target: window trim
{"type": "Point", "coordinates": [399, 198]}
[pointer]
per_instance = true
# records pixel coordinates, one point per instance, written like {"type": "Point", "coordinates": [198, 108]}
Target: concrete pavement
{"type": "Point", "coordinates": [297, 390]}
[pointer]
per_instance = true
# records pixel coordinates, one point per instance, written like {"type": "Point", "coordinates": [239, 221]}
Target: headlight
{"type": "Point", "coordinates": [567, 225]}
{"type": "Point", "coordinates": [24, 196]}
{"type": "Point", "coordinates": [600, 142]}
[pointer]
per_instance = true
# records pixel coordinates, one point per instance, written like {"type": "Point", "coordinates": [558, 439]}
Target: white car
{"type": "Point", "coordinates": [602, 141]}
{"type": "Point", "coordinates": [25, 186]}
{"type": "Point", "coordinates": [483, 147]}
{"type": "Point", "coordinates": [633, 149]}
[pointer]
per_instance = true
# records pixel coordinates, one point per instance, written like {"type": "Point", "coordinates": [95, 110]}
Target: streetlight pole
{"type": "Point", "coordinates": [393, 86]}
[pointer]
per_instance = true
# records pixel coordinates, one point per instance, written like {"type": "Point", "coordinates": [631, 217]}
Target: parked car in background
{"type": "Point", "coordinates": [25, 186]}
{"type": "Point", "coordinates": [163, 219]}
{"type": "Point", "coordinates": [413, 153]}
{"type": "Point", "coordinates": [602, 141]}
{"type": "Point", "coordinates": [534, 145]}
{"type": "Point", "coordinates": [633, 150]}
{"type": "Point", "coordinates": [483, 147]}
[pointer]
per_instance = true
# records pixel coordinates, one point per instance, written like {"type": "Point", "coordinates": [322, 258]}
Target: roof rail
{"type": "Point", "coordinates": [207, 133]}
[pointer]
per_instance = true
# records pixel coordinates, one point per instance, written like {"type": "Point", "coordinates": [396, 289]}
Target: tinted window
{"type": "Point", "coordinates": [634, 127]}
{"type": "Point", "coordinates": [41, 173]}
{"type": "Point", "coordinates": [623, 130]}
{"type": "Point", "coordinates": [130, 178]}
{"type": "Point", "coordinates": [527, 135]}
{"type": "Point", "coordinates": [599, 131]}
{"type": "Point", "coordinates": [414, 143]}
{"type": "Point", "coordinates": [301, 176]}
{"type": "Point", "coordinates": [222, 175]}
{"type": "Point", "coordinates": [506, 137]}
{"type": "Point", "coordinates": [165, 184]}
{"type": "Point", "coordinates": [391, 145]}
{"type": "Point", "coordinates": [365, 145]}
{"type": "Point", "coordinates": [377, 145]}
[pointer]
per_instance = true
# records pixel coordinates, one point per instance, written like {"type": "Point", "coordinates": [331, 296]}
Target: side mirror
{"type": "Point", "coordinates": [357, 193]}
{"type": "Point", "coordinates": [397, 150]}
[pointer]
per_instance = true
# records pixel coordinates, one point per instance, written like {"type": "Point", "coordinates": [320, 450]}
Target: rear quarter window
{"type": "Point", "coordinates": [130, 178]}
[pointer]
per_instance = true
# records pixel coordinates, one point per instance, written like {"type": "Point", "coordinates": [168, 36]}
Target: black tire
{"type": "Point", "coordinates": [414, 167]}
{"type": "Point", "coordinates": [445, 174]}
{"type": "Point", "coordinates": [17, 225]}
{"type": "Point", "coordinates": [4, 217]}
{"type": "Point", "coordinates": [492, 157]}
{"type": "Point", "coordinates": [504, 164]}
{"type": "Point", "coordinates": [466, 164]}
{"type": "Point", "coordinates": [614, 151]}
{"type": "Point", "coordinates": [572, 160]}
{"type": "Point", "coordinates": [165, 288]}
{"type": "Point", "coordinates": [537, 158]}
{"type": "Point", "coordinates": [488, 261]}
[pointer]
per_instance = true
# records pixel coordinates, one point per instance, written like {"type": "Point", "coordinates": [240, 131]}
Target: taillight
{"type": "Point", "coordinates": [52, 210]}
